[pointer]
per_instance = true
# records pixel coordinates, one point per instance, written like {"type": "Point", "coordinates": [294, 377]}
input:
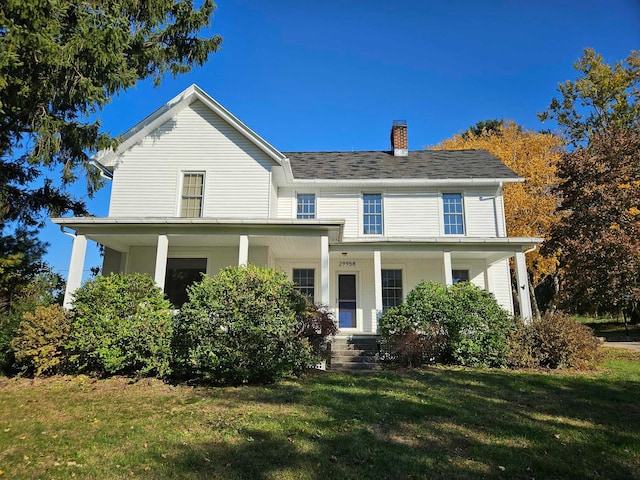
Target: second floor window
{"type": "Point", "coordinates": [372, 213]}
{"type": "Point", "coordinates": [192, 195]}
{"type": "Point", "coordinates": [453, 214]}
{"type": "Point", "coordinates": [306, 206]}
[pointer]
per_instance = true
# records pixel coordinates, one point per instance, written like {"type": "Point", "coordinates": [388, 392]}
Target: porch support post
{"type": "Point", "coordinates": [76, 265]}
{"type": "Point", "coordinates": [162, 251]}
{"type": "Point", "coordinates": [523, 287]}
{"type": "Point", "coordinates": [448, 274]}
{"type": "Point", "coordinates": [243, 251]}
{"type": "Point", "coordinates": [377, 282]}
{"type": "Point", "coordinates": [487, 277]}
{"type": "Point", "coordinates": [324, 270]}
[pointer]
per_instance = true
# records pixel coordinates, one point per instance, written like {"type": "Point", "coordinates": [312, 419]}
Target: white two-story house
{"type": "Point", "coordinates": [195, 190]}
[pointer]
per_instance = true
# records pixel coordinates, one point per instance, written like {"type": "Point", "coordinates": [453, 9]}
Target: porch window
{"type": "Point", "coordinates": [453, 214]}
{"type": "Point", "coordinates": [304, 280]}
{"type": "Point", "coordinates": [372, 213]}
{"type": "Point", "coordinates": [460, 276]}
{"type": "Point", "coordinates": [192, 195]}
{"type": "Point", "coordinates": [306, 206]}
{"type": "Point", "coordinates": [181, 273]}
{"type": "Point", "coordinates": [391, 288]}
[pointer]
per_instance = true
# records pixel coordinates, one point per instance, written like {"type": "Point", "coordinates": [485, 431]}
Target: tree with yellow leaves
{"type": "Point", "coordinates": [530, 207]}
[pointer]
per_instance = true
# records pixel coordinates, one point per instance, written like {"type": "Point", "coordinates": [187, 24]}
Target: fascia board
{"type": "Point", "coordinates": [404, 182]}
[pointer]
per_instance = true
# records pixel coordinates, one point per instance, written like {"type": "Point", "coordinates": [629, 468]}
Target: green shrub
{"type": "Point", "coordinates": [554, 341]}
{"type": "Point", "coordinates": [40, 340]}
{"type": "Point", "coordinates": [461, 324]}
{"type": "Point", "coordinates": [121, 324]}
{"type": "Point", "coordinates": [241, 326]}
{"type": "Point", "coordinates": [477, 327]}
{"type": "Point", "coordinates": [45, 289]}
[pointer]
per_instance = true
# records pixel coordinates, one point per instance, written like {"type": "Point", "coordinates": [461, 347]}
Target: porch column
{"type": "Point", "coordinates": [523, 287]}
{"type": "Point", "coordinates": [161, 260]}
{"type": "Point", "coordinates": [324, 270]}
{"type": "Point", "coordinates": [377, 282]}
{"type": "Point", "coordinates": [76, 265]}
{"type": "Point", "coordinates": [448, 274]}
{"type": "Point", "coordinates": [243, 251]}
{"type": "Point", "coordinates": [487, 277]}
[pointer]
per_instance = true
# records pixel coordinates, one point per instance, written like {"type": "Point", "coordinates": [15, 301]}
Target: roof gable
{"type": "Point", "coordinates": [141, 130]}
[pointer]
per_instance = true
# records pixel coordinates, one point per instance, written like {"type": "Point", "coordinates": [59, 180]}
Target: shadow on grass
{"type": "Point", "coordinates": [427, 424]}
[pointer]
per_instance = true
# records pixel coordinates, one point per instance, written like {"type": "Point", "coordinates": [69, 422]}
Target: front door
{"type": "Point", "coordinates": [347, 300]}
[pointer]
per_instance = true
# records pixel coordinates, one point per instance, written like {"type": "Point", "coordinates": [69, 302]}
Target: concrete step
{"type": "Point", "coordinates": [350, 359]}
{"type": "Point", "coordinates": [353, 367]}
{"type": "Point", "coordinates": [357, 352]}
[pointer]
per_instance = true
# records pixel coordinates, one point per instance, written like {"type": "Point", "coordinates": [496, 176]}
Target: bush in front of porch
{"type": "Point", "coordinates": [246, 325]}
{"type": "Point", "coordinates": [121, 324]}
{"type": "Point", "coordinates": [461, 324]}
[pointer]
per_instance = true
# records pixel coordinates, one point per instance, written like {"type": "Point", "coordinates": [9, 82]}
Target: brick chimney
{"type": "Point", "coordinates": [399, 141]}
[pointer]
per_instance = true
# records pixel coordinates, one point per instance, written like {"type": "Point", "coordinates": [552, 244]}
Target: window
{"type": "Point", "coordinates": [391, 288]}
{"type": "Point", "coordinates": [304, 280]}
{"type": "Point", "coordinates": [372, 213]}
{"type": "Point", "coordinates": [453, 215]}
{"type": "Point", "coordinates": [192, 193]}
{"type": "Point", "coordinates": [460, 276]}
{"type": "Point", "coordinates": [181, 273]}
{"type": "Point", "coordinates": [306, 206]}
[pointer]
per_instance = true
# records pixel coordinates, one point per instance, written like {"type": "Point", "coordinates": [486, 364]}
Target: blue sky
{"type": "Point", "coordinates": [332, 75]}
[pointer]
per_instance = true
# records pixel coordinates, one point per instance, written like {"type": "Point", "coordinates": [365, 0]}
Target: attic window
{"type": "Point", "coordinates": [192, 195]}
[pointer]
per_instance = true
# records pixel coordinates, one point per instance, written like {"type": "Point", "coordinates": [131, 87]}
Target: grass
{"type": "Point", "coordinates": [612, 329]}
{"type": "Point", "coordinates": [432, 423]}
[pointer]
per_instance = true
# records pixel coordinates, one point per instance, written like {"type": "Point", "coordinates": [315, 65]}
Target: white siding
{"type": "Point", "coordinates": [142, 260]}
{"type": "Point", "coordinates": [339, 205]}
{"type": "Point", "coordinates": [480, 214]}
{"type": "Point", "coordinates": [285, 203]}
{"type": "Point", "coordinates": [147, 180]}
{"type": "Point", "coordinates": [500, 284]}
{"type": "Point", "coordinates": [411, 215]}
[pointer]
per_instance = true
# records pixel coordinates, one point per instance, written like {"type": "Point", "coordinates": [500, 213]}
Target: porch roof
{"type": "Point", "coordinates": [286, 237]}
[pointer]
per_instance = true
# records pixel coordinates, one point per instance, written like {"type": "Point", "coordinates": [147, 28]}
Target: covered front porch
{"type": "Point", "coordinates": [358, 279]}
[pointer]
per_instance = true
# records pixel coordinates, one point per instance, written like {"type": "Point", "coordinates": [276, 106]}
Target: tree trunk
{"type": "Point", "coordinates": [534, 301]}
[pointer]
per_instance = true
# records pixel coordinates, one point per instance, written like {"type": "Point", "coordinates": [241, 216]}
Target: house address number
{"type": "Point", "coordinates": [345, 263]}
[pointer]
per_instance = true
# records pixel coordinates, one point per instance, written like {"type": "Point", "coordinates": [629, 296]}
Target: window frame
{"type": "Point", "coordinates": [375, 214]}
{"type": "Point", "coordinates": [396, 289]}
{"type": "Point", "coordinates": [183, 196]}
{"type": "Point", "coordinates": [446, 215]}
{"type": "Point", "coordinates": [454, 277]}
{"type": "Point", "coordinates": [306, 215]}
{"type": "Point", "coordinates": [300, 287]}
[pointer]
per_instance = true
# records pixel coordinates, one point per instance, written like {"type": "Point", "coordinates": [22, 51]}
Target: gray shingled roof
{"type": "Point", "coordinates": [426, 164]}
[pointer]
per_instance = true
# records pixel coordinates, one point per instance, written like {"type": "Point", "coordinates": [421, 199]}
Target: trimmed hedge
{"type": "Point", "coordinates": [121, 324]}
{"type": "Point", "coordinates": [461, 324]}
{"type": "Point", "coordinates": [244, 325]}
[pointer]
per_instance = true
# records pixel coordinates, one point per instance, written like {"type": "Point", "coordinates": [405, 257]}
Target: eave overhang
{"type": "Point", "coordinates": [398, 182]}
{"type": "Point", "coordinates": [199, 226]}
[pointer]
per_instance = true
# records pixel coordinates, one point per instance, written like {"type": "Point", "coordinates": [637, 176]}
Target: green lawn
{"type": "Point", "coordinates": [434, 423]}
{"type": "Point", "coordinates": [612, 329]}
